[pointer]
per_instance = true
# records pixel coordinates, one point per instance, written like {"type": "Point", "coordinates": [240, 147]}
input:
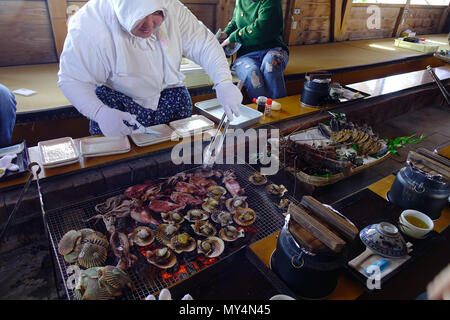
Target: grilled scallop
{"type": "Point", "coordinates": [211, 247]}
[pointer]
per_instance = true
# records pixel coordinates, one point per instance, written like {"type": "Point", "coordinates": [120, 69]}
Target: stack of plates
{"type": "Point", "coordinates": [104, 146]}
{"type": "Point", "coordinates": [192, 125]}
{"type": "Point", "coordinates": [165, 133]}
{"type": "Point", "coordinates": [58, 152]}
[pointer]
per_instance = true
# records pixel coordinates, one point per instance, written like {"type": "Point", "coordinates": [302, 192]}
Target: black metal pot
{"type": "Point", "coordinates": [309, 275]}
{"type": "Point", "coordinates": [315, 94]}
{"type": "Point", "coordinates": [414, 189]}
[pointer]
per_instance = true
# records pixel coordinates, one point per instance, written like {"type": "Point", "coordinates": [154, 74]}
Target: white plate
{"type": "Point", "coordinates": [104, 146]}
{"type": "Point", "coordinates": [144, 139]}
{"type": "Point", "coordinates": [58, 152]}
{"type": "Point", "coordinates": [188, 126]}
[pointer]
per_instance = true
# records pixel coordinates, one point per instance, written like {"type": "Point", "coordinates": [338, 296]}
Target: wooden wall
{"type": "Point", "coordinates": [33, 31]}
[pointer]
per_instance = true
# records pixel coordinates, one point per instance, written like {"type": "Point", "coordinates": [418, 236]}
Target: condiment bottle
{"type": "Point", "coordinates": [268, 107]}
{"type": "Point", "coordinates": [261, 102]}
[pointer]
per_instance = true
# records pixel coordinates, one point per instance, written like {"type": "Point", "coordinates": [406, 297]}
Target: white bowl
{"type": "Point", "coordinates": [411, 230]}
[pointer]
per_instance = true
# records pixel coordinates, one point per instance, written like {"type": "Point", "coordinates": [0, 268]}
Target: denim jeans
{"type": "Point", "coordinates": [7, 115]}
{"type": "Point", "coordinates": [262, 72]}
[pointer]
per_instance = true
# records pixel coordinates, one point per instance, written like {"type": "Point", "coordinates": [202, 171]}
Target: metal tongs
{"type": "Point", "coordinates": [439, 84]}
{"type": "Point", "coordinates": [216, 144]}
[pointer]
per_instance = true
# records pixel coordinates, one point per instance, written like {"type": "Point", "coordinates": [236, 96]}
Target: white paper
{"type": "Point", "coordinates": [24, 92]}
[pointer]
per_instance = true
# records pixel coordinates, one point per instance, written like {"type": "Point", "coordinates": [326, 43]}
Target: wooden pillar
{"type": "Point", "coordinates": [57, 10]}
{"type": "Point", "coordinates": [401, 19]}
{"type": "Point", "coordinates": [443, 20]}
{"type": "Point", "coordinates": [345, 14]}
{"type": "Point", "coordinates": [336, 15]}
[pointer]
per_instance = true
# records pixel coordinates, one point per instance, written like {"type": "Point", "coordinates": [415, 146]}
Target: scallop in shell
{"type": "Point", "coordinates": [216, 192]}
{"type": "Point", "coordinates": [230, 233]}
{"type": "Point", "coordinates": [204, 228]}
{"type": "Point", "coordinates": [142, 236]}
{"type": "Point", "coordinates": [182, 242]}
{"type": "Point", "coordinates": [114, 280]}
{"type": "Point", "coordinates": [211, 205]}
{"type": "Point", "coordinates": [95, 237]}
{"type": "Point", "coordinates": [244, 216]}
{"type": "Point", "coordinates": [68, 242]}
{"type": "Point", "coordinates": [196, 215]}
{"type": "Point", "coordinates": [236, 202]}
{"type": "Point", "coordinates": [92, 255]}
{"type": "Point", "coordinates": [223, 218]}
{"type": "Point", "coordinates": [172, 217]}
{"type": "Point", "coordinates": [211, 247]}
{"type": "Point", "coordinates": [164, 232]}
{"type": "Point", "coordinates": [276, 190]}
{"type": "Point", "coordinates": [257, 179]}
{"type": "Point", "coordinates": [163, 258]}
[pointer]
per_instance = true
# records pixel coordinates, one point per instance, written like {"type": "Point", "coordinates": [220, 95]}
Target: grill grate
{"type": "Point", "coordinates": [146, 278]}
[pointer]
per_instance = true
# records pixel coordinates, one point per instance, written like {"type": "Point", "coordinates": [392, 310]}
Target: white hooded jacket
{"type": "Point", "coordinates": [100, 50]}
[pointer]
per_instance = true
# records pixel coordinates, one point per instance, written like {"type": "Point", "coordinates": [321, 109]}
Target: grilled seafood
{"type": "Point", "coordinates": [142, 236]}
{"type": "Point", "coordinates": [202, 182]}
{"type": "Point", "coordinates": [86, 247]}
{"type": "Point", "coordinates": [182, 242]}
{"type": "Point", "coordinates": [120, 246]}
{"type": "Point", "coordinates": [204, 228]}
{"type": "Point", "coordinates": [164, 206]}
{"type": "Point", "coordinates": [211, 247]}
{"type": "Point", "coordinates": [233, 187]}
{"type": "Point", "coordinates": [152, 192]}
{"type": "Point", "coordinates": [185, 199]}
{"type": "Point", "coordinates": [172, 217]}
{"type": "Point", "coordinates": [143, 216]}
{"type": "Point", "coordinates": [230, 233]}
{"type": "Point", "coordinates": [136, 191]}
{"type": "Point", "coordinates": [284, 203]}
{"type": "Point", "coordinates": [88, 287]}
{"type": "Point", "coordinates": [196, 215]}
{"type": "Point", "coordinates": [114, 280]}
{"type": "Point", "coordinates": [163, 258]}
{"type": "Point", "coordinates": [216, 192]}
{"type": "Point", "coordinates": [165, 232]}
{"type": "Point", "coordinates": [276, 190]}
{"type": "Point", "coordinates": [190, 188]}
{"type": "Point", "coordinates": [257, 179]}
{"type": "Point", "coordinates": [211, 205]}
{"type": "Point", "coordinates": [223, 218]}
{"type": "Point", "coordinates": [109, 204]}
{"type": "Point", "coordinates": [236, 202]}
{"type": "Point", "coordinates": [244, 216]}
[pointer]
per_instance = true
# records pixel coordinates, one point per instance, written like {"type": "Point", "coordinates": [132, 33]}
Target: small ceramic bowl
{"type": "Point", "coordinates": [383, 238]}
{"type": "Point", "coordinates": [411, 230]}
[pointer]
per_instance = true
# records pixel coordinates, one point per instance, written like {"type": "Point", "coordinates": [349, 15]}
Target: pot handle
{"type": "Point", "coordinates": [361, 258]}
{"type": "Point", "coordinates": [295, 259]}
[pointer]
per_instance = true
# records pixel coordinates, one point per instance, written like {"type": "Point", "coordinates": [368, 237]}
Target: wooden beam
{"type": "Point", "coordinates": [336, 15]}
{"type": "Point", "coordinates": [288, 21]}
{"type": "Point", "coordinates": [444, 19]}
{"type": "Point", "coordinates": [400, 20]}
{"type": "Point", "coordinates": [58, 16]}
{"type": "Point", "coordinates": [347, 8]}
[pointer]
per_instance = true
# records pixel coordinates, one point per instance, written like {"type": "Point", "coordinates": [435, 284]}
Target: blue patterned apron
{"type": "Point", "coordinates": [174, 104]}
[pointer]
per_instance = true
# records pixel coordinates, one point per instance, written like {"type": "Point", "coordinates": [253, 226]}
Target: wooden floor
{"type": "Point", "coordinates": [330, 56]}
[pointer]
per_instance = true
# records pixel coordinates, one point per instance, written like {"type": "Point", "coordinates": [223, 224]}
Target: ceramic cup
{"type": "Point", "coordinates": [411, 230]}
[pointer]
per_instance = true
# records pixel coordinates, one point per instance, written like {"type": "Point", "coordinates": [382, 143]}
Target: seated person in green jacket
{"type": "Point", "coordinates": [258, 26]}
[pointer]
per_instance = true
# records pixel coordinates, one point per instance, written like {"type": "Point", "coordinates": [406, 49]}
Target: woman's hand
{"type": "Point", "coordinates": [439, 288]}
{"type": "Point", "coordinates": [111, 122]}
{"type": "Point", "coordinates": [230, 97]}
{"type": "Point", "coordinates": [225, 42]}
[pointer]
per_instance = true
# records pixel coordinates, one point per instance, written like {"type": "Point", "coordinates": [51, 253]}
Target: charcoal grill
{"type": "Point", "coordinates": [146, 278]}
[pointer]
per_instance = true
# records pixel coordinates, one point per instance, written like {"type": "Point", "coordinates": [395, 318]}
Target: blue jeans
{"type": "Point", "coordinates": [262, 72]}
{"type": "Point", "coordinates": [7, 115]}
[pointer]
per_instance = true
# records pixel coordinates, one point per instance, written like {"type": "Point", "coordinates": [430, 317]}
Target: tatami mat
{"type": "Point", "coordinates": [43, 78]}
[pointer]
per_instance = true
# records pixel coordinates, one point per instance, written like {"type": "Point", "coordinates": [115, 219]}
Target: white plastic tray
{"type": "Point", "coordinates": [186, 127]}
{"type": "Point", "coordinates": [58, 152]}
{"type": "Point", "coordinates": [143, 139]}
{"type": "Point", "coordinates": [213, 110]}
{"type": "Point", "coordinates": [104, 146]}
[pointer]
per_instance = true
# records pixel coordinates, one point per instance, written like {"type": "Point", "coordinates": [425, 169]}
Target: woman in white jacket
{"type": "Point", "coordinates": [120, 66]}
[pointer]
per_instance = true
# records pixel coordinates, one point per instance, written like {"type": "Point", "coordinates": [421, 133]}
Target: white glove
{"type": "Point", "coordinates": [6, 164]}
{"type": "Point", "coordinates": [230, 97]}
{"type": "Point", "coordinates": [111, 122]}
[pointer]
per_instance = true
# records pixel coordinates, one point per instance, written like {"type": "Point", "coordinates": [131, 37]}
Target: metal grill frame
{"type": "Point", "coordinates": [270, 219]}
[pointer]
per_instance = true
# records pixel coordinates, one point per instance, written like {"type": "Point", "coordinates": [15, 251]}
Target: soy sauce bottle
{"type": "Point", "coordinates": [261, 102]}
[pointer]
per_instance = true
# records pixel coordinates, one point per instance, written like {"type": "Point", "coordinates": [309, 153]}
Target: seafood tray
{"type": "Point", "coordinates": [214, 111]}
{"type": "Point", "coordinates": [145, 277]}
